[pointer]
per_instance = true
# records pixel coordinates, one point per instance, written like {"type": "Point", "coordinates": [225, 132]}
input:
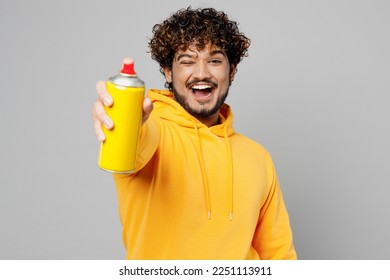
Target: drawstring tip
{"type": "Point", "coordinates": [231, 216]}
{"type": "Point", "coordinates": [209, 215]}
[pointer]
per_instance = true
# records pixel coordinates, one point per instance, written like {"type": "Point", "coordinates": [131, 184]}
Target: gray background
{"type": "Point", "coordinates": [314, 91]}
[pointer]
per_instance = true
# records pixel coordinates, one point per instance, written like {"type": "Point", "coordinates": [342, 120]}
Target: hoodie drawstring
{"type": "Point", "coordinates": [203, 170]}
{"type": "Point", "coordinates": [230, 169]}
{"type": "Point", "coordinates": [204, 176]}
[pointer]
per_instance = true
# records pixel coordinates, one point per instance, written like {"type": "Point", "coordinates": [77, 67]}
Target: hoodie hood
{"type": "Point", "coordinates": [176, 113]}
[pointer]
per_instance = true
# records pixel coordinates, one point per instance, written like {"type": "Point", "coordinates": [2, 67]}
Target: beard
{"type": "Point", "coordinates": [201, 112]}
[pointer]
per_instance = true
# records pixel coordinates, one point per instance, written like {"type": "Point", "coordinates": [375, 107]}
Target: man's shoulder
{"type": "Point", "coordinates": [248, 143]}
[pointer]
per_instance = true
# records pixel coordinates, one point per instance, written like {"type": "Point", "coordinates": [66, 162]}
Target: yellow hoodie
{"type": "Point", "coordinates": [201, 192]}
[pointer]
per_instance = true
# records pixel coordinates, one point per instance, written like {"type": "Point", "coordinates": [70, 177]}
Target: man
{"type": "Point", "coordinates": [201, 190]}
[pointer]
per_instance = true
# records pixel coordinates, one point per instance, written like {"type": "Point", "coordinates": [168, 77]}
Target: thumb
{"type": "Point", "coordinates": [147, 109]}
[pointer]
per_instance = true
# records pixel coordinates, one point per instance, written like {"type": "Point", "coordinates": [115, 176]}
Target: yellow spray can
{"type": "Point", "coordinates": [118, 152]}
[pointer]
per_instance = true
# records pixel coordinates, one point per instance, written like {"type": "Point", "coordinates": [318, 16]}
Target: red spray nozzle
{"type": "Point", "coordinates": [128, 66]}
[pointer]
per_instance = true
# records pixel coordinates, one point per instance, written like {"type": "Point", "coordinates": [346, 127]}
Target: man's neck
{"type": "Point", "coordinates": [210, 121]}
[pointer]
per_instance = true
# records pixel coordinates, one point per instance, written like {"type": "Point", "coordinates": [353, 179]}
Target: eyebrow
{"type": "Point", "coordinates": [190, 56]}
{"type": "Point", "coordinates": [218, 52]}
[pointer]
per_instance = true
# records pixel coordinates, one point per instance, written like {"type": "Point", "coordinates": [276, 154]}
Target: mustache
{"type": "Point", "coordinates": [196, 81]}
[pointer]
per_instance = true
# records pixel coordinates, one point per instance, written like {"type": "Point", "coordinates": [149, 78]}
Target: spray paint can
{"type": "Point", "coordinates": [118, 153]}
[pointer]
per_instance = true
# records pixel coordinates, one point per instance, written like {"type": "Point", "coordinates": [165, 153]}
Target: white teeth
{"type": "Point", "coordinates": [201, 87]}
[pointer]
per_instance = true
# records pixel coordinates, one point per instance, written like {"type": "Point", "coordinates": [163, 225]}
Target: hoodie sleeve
{"type": "Point", "coordinates": [273, 236]}
{"type": "Point", "coordinates": [148, 143]}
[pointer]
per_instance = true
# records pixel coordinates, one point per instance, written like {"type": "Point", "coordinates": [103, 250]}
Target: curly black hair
{"type": "Point", "coordinates": [199, 27]}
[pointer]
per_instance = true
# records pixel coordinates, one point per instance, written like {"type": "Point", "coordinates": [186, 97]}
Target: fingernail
{"type": "Point", "coordinates": [107, 100]}
{"type": "Point", "coordinates": [108, 123]}
{"type": "Point", "coordinates": [101, 137]}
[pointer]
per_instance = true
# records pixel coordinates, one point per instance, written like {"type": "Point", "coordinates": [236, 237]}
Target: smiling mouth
{"type": "Point", "coordinates": [202, 92]}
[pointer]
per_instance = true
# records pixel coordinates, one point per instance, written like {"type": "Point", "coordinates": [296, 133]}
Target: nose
{"type": "Point", "coordinates": [201, 71]}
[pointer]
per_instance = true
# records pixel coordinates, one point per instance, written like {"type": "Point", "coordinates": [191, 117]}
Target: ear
{"type": "Point", "coordinates": [233, 70]}
{"type": "Point", "coordinates": [168, 74]}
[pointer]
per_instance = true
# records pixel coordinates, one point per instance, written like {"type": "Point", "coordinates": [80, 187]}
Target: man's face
{"type": "Point", "coordinates": [201, 80]}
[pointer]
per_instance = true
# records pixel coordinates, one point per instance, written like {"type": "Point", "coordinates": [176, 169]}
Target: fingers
{"type": "Point", "coordinates": [147, 108]}
{"type": "Point", "coordinates": [103, 94]}
{"type": "Point", "coordinates": [99, 131]}
{"type": "Point", "coordinates": [100, 118]}
{"type": "Point", "coordinates": [99, 114]}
